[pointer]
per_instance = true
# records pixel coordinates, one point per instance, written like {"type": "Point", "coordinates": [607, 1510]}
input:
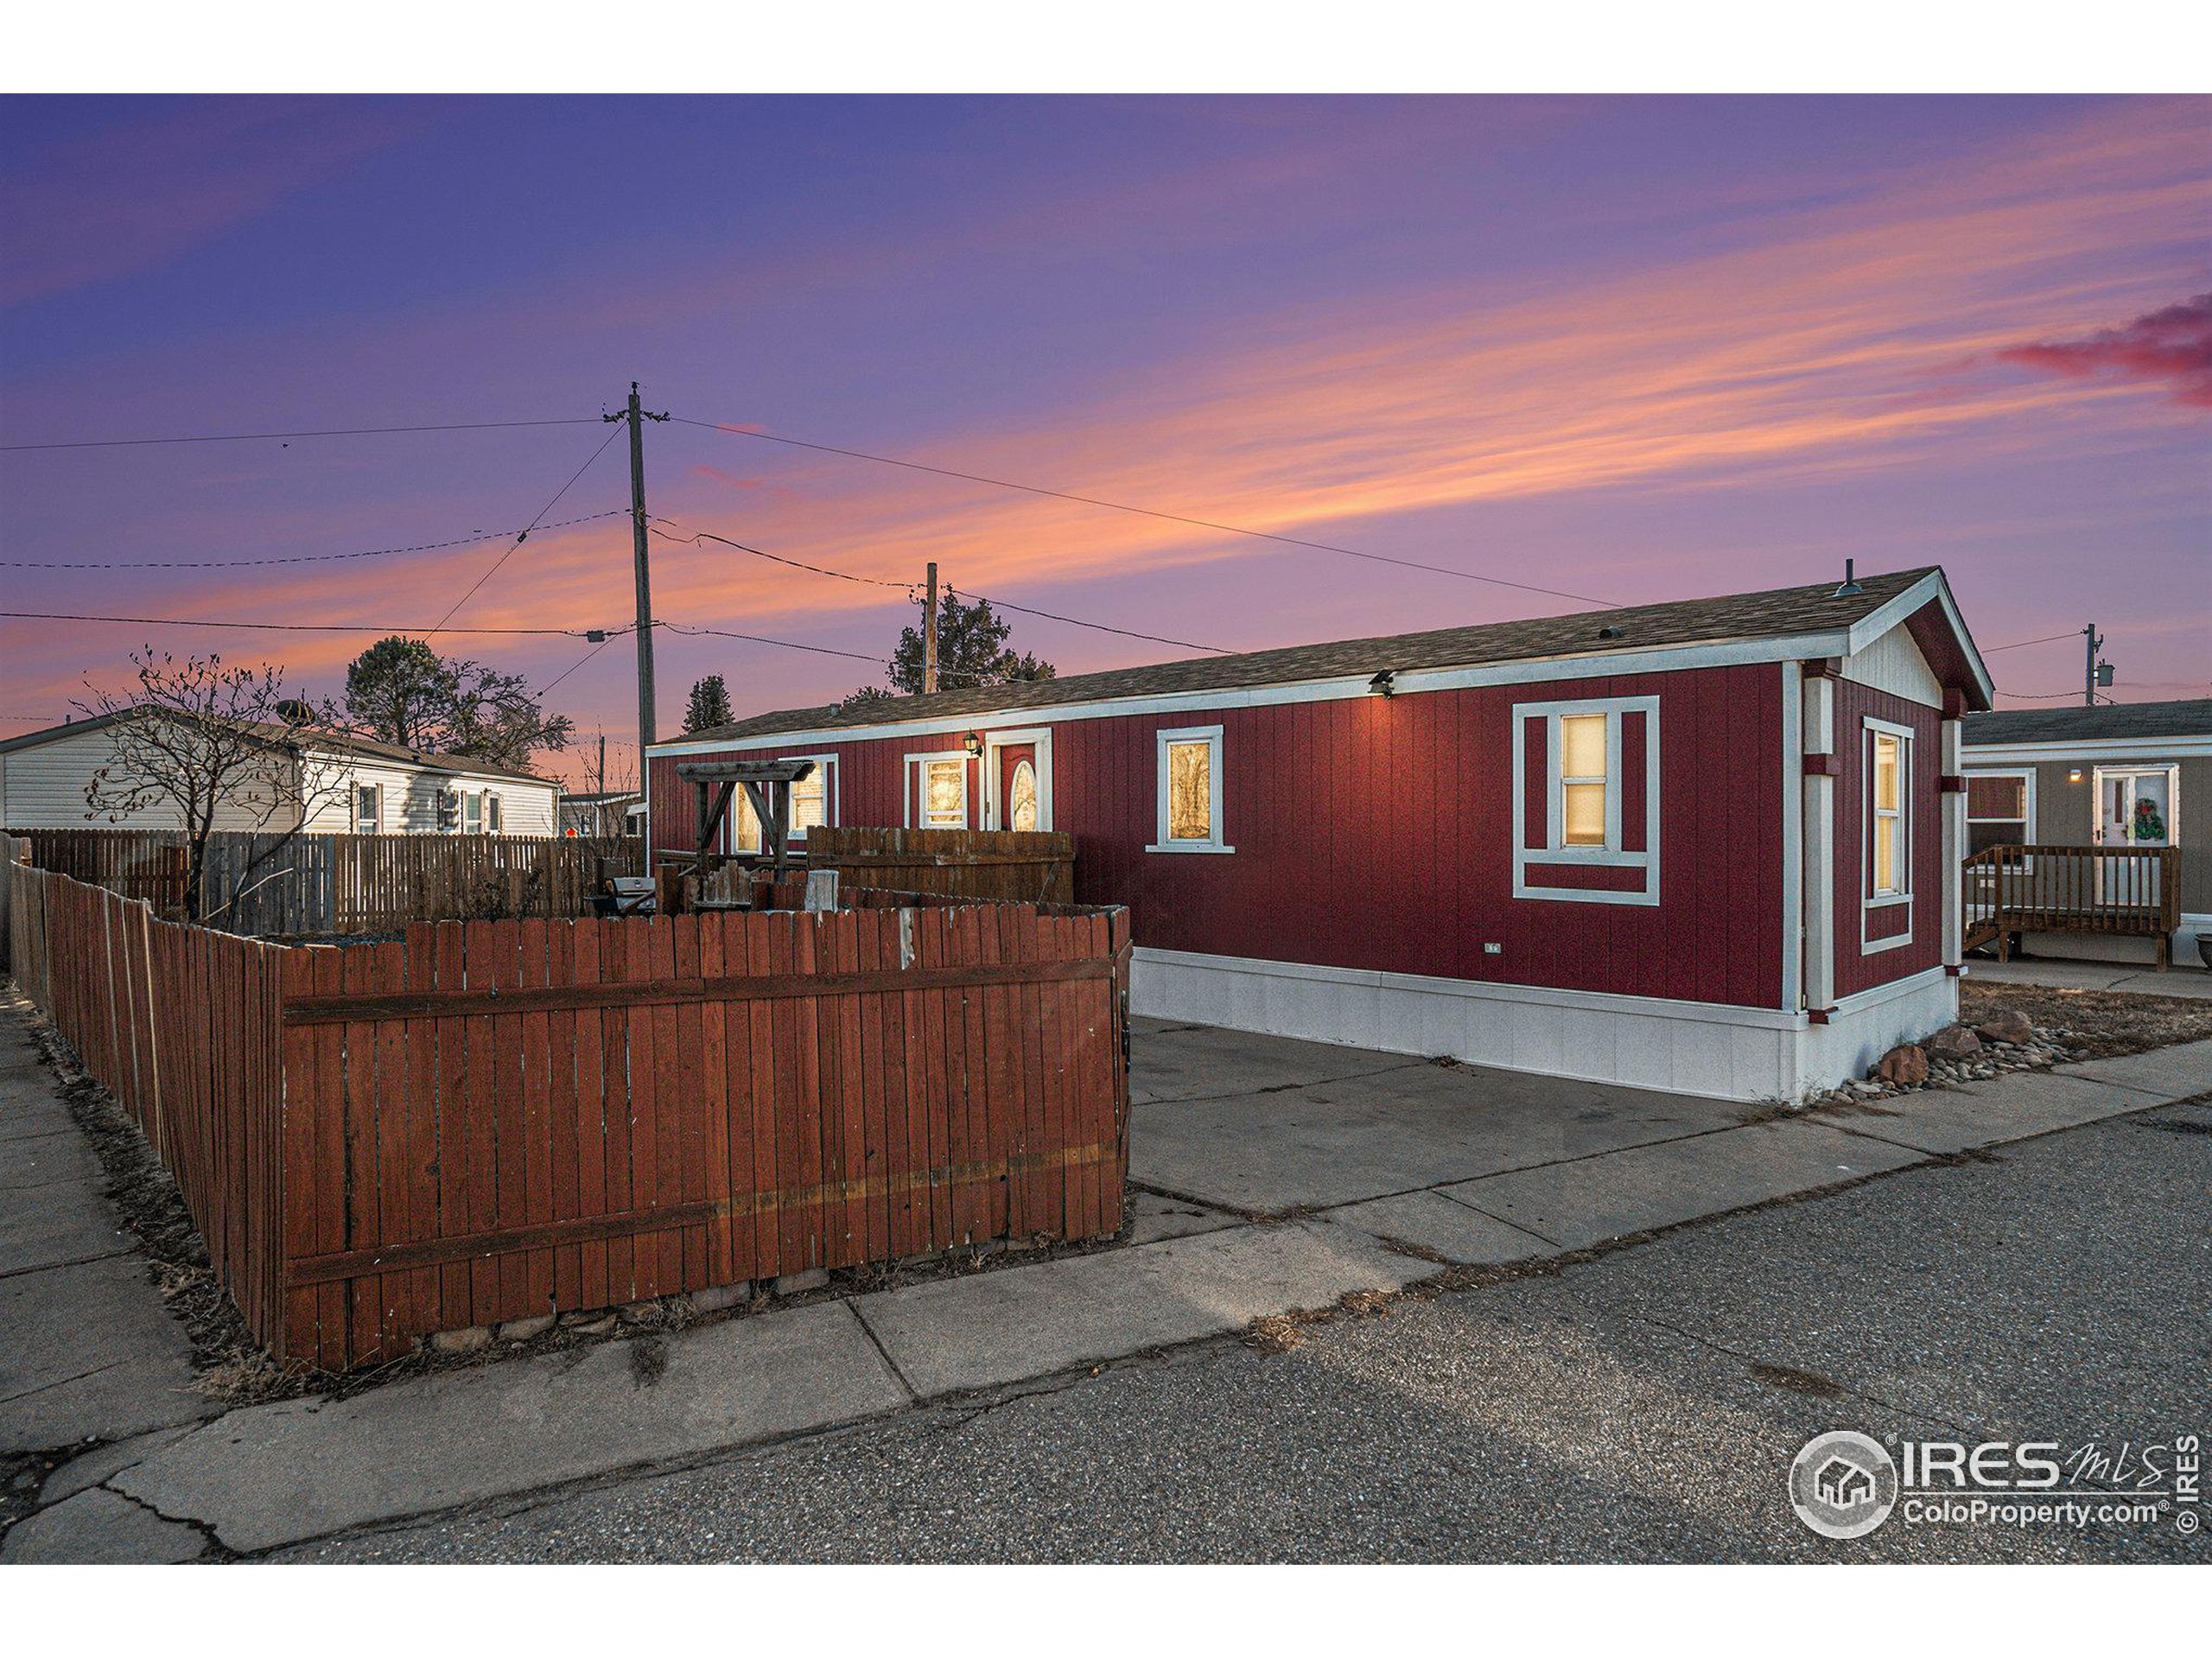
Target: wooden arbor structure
{"type": "Point", "coordinates": [767, 785]}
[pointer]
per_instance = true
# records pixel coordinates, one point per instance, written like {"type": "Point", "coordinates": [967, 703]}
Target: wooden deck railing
{"type": "Point", "coordinates": [2124, 892]}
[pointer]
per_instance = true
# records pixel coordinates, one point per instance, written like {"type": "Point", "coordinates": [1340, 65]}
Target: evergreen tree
{"type": "Point", "coordinates": [971, 651]}
{"type": "Point", "coordinates": [709, 705]}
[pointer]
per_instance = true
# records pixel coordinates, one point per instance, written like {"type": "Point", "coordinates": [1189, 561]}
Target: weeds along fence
{"type": "Point", "coordinates": [317, 883]}
{"type": "Point", "coordinates": [497, 1119]}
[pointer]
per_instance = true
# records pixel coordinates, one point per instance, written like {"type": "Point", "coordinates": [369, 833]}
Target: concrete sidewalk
{"type": "Point", "coordinates": [1282, 1176]}
{"type": "Point", "coordinates": [2185, 979]}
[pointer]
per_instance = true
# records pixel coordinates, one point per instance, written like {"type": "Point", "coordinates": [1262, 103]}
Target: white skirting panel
{"type": "Point", "coordinates": [1692, 1048]}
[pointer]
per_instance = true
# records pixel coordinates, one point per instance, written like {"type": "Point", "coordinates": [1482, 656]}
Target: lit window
{"type": "Point", "coordinates": [1021, 813]}
{"type": "Point", "coordinates": [1189, 784]}
{"type": "Point", "coordinates": [1891, 853]}
{"type": "Point", "coordinates": [809, 803]}
{"type": "Point", "coordinates": [1583, 777]}
{"type": "Point", "coordinates": [945, 794]}
{"type": "Point", "coordinates": [745, 834]}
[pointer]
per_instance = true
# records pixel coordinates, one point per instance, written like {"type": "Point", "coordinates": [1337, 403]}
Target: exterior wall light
{"type": "Point", "coordinates": [2075, 776]}
{"type": "Point", "coordinates": [1384, 681]}
{"type": "Point", "coordinates": [972, 743]}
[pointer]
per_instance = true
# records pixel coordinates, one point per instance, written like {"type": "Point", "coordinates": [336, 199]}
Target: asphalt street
{"type": "Point", "coordinates": [1643, 1406]}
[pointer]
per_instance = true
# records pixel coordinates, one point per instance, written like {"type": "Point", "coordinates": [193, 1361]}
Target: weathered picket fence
{"type": "Point", "coordinates": [274, 886]}
{"type": "Point", "coordinates": [492, 1121]}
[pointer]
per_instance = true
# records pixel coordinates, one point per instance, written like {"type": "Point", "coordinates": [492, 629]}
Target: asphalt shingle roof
{"type": "Point", "coordinates": [2182, 717]}
{"type": "Point", "coordinates": [1737, 616]}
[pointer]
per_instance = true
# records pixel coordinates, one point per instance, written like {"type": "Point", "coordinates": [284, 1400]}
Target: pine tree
{"type": "Point", "coordinates": [971, 651]}
{"type": "Point", "coordinates": [709, 705]}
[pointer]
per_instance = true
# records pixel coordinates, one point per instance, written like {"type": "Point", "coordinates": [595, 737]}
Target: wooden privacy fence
{"type": "Point", "coordinates": [2118, 890]}
{"type": "Point", "coordinates": [181, 1026]}
{"type": "Point", "coordinates": [1038, 866]}
{"type": "Point", "coordinates": [492, 1121]}
{"type": "Point", "coordinates": [344, 884]}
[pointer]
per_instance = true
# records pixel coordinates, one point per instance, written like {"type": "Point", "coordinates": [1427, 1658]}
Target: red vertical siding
{"type": "Point", "coordinates": [1857, 969]}
{"type": "Point", "coordinates": [1376, 833]}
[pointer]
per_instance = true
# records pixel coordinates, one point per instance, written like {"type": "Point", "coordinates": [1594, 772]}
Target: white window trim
{"type": "Point", "coordinates": [1555, 851]}
{"type": "Point", "coordinates": [1908, 833]}
{"type": "Point", "coordinates": [913, 786]}
{"type": "Point", "coordinates": [831, 783]}
{"type": "Point", "coordinates": [2027, 776]}
{"type": "Point", "coordinates": [2099, 773]}
{"type": "Point", "coordinates": [495, 813]}
{"type": "Point", "coordinates": [1211, 736]}
{"type": "Point", "coordinates": [993, 742]}
{"type": "Point", "coordinates": [376, 812]}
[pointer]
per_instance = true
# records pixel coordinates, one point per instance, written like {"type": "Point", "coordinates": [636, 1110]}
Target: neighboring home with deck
{"type": "Point", "coordinates": [352, 784]}
{"type": "Point", "coordinates": [1710, 846]}
{"type": "Point", "coordinates": [2125, 779]}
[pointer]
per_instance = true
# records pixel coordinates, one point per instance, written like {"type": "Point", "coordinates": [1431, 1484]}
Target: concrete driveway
{"type": "Point", "coordinates": [1269, 1177]}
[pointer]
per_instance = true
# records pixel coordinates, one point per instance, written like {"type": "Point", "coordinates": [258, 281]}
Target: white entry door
{"type": "Point", "coordinates": [2135, 808]}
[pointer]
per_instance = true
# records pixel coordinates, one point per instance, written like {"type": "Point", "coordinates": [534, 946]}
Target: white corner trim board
{"type": "Point", "coordinates": [1715, 1050]}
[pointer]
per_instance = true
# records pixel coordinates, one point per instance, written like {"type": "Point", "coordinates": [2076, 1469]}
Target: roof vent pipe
{"type": "Point", "coordinates": [1850, 588]}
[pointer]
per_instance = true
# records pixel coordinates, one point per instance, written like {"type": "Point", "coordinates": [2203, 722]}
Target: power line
{"type": "Point", "coordinates": [299, 558]}
{"type": "Point", "coordinates": [762, 639]}
{"type": "Point", "coordinates": [907, 587]}
{"type": "Point", "coordinates": [1150, 512]}
{"type": "Point", "coordinates": [522, 537]}
{"type": "Point", "coordinates": [613, 635]}
{"type": "Point", "coordinates": [280, 627]}
{"type": "Point", "coordinates": [2073, 634]}
{"type": "Point", "coordinates": [324, 432]}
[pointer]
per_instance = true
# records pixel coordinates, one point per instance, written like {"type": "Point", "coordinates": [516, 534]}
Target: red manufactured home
{"type": "Point", "coordinates": [1710, 846]}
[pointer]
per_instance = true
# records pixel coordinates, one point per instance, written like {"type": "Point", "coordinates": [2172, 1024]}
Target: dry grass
{"type": "Point", "coordinates": [2098, 1024]}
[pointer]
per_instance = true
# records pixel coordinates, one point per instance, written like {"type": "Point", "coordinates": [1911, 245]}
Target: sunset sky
{"type": "Point", "coordinates": [1631, 349]}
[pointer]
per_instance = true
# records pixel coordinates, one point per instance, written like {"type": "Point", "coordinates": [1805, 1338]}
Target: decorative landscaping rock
{"type": "Point", "coordinates": [467, 1340]}
{"type": "Point", "coordinates": [2009, 1026]}
{"type": "Point", "coordinates": [715, 1297]}
{"type": "Point", "coordinates": [1905, 1066]}
{"type": "Point", "coordinates": [1953, 1043]}
{"type": "Point", "coordinates": [523, 1330]}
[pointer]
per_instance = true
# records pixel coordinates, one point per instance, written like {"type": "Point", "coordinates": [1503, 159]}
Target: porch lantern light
{"type": "Point", "coordinates": [2075, 776]}
{"type": "Point", "coordinates": [1383, 683]}
{"type": "Point", "coordinates": [972, 743]}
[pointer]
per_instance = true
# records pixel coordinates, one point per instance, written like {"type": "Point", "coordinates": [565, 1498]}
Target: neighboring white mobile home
{"type": "Point", "coordinates": [351, 785]}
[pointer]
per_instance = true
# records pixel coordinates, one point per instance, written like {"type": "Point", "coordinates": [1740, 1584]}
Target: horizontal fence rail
{"type": "Point", "coordinates": [496, 1120]}
{"type": "Point", "coordinates": [319, 884]}
{"type": "Point", "coordinates": [1036, 866]}
{"type": "Point", "coordinates": [2039, 889]}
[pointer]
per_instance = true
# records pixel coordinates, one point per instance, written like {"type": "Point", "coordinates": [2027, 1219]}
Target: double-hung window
{"type": "Point", "coordinates": [937, 791]}
{"type": "Point", "coordinates": [1891, 826]}
{"type": "Point", "coordinates": [1585, 800]}
{"type": "Point", "coordinates": [368, 803]}
{"type": "Point", "coordinates": [2001, 810]}
{"type": "Point", "coordinates": [1188, 780]}
{"type": "Point", "coordinates": [1889, 836]}
{"type": "Point", "coordinates": [471, 812]}
{"type": "Point", "coordinates": [494, 819]}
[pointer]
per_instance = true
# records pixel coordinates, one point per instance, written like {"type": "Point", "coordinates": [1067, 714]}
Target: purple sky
{"type": "Point", "coordinates": [1635, 348]}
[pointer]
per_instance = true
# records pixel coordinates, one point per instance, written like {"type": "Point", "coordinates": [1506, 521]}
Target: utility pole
{"type": "Point", "coordinates": [2089, 677]}
{"type": "Point", "coordinates": [637, 417]}
{"type": "Point", "coordinates": [928, 636]}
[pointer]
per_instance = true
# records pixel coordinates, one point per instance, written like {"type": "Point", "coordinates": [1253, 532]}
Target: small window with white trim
{"type": "Point", "coordinates": [1889, 795]}
{"type": "Point", "coordinates": [1585, 800]}
{"type": "Point", "coordinates": [937, 791]}
{"type": "Point", "coordinates": [368, 809]}
{"type": "Point", "coordinates": [494, 819]}
{"type": "Point", "coordinates": [2001, 810]}
{"type": "Point", "coordinates": [1188, 780]}
{"type": "Point", "coordinates": [471, 812]}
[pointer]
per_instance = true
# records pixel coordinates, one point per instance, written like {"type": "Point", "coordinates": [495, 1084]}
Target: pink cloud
{"type": "Point", "coordinates": [2173, 346]}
